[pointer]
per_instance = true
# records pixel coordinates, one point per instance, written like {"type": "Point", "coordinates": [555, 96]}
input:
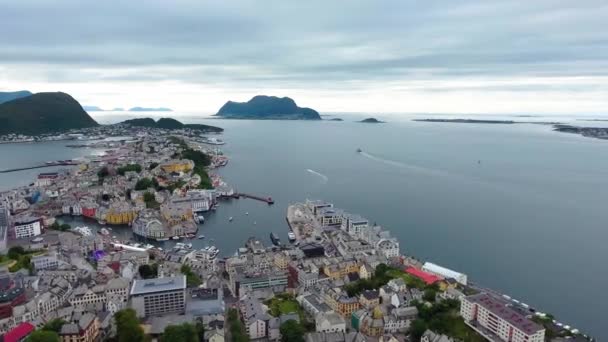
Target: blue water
{"type": "Point", "coordinates": [519, 208]}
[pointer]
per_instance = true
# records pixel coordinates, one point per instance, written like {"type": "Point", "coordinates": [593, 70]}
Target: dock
{"type": "Point", "coordinates": [39, 166]}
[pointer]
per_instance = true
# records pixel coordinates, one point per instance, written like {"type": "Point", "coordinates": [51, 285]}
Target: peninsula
{"type": "Point", "coordinates": [12, 95]}
{"type": "Point", "coordinates": [268, 108]}
{"type": "Point", "coordinates": [43, 113]}
{"type": "Point", "coordinates": [171, 124]}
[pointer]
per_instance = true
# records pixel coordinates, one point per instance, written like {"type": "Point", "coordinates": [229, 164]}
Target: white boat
{"type": "Point", "coordinates": [104, 231]}
{"type": "Point", "coordinates": [201, 236]}
{"type": "Point", "coordinates": [201, 219]}
{"type": "Point", "coordinates": [246, 213]}
{"type": "Point", "coordinates": [291, 236]}
{"type": "Point", "coordinates": [86, 231]}
{"type": "Point", "coordinates": [179, 245]}
{"type": "Point", "coordinates": [230, 219]}
{"type": "Point", "coordinates": [176, 238]}
{"type": "Point", "coordinates": [148, 246]}
{"type": "Point", "coordinates": [188, 246]}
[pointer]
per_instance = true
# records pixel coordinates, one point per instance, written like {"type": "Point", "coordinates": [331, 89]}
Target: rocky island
{"type": "Point", "coordinates": [43, 113]}
{"type": "Point", "coordinates": [371, 120]}
{"type": "Point", "coordinates": [268, 108]}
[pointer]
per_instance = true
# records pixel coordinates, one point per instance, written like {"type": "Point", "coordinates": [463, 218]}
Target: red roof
{"type": "Point", "coordinates": [19, 332]}
{"type": "Point", "coordinates": [426, 277]}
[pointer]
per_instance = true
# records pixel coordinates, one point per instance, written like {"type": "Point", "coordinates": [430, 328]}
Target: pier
{"type": "Point", "coordinates": [39, 166]}
{"type": "Point", "coordinates": [268, 200]}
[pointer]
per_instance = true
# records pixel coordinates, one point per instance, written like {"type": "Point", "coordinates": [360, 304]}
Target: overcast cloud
{"type": "Point", "coordinates": [490, 56]}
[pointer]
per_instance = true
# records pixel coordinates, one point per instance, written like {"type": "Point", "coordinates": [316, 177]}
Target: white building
{"type": "Point", "coordinates": [329, 322]}
{"type": "Point", "coordinates": [27, 227]}
{"type": "Point", "coordinates": [45, 261]}
{"type": "Point", "coordinates": [389, 248]}
{"type": "Point", "coordinates": [499, 322]}
{"type": "Point", "coordinates": [444, 272]}
{"type": "Point", "coordinates": [160, 296]}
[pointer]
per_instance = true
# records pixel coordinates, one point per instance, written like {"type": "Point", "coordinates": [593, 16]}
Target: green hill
{"type": "Point", "coordinates": [169, 123]}
{"type": "Point", "coordinates": [267, 107]}
{"type": "Point", "coordinates": [43, 113]}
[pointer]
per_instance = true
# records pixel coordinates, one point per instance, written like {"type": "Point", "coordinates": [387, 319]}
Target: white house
{"type": "Point", "coordinates": [329, 322]}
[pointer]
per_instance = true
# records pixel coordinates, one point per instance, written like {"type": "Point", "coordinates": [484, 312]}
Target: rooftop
{"type": "Point", "coordinates": [500, 309]}
{"type": "Point", "coordinates": [158, 285]}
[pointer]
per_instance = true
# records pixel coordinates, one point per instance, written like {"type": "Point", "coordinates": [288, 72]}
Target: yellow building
{"type": "Point", "coordinates": [369, 298]}
{"type": "Point", "coordinates": [341, 303]}
{"type": "Point", "coordinates": [339, 270]}
{"type": "Point", "coordinates": [281, 261]}
{"type": "Point", "coordinates": [120, 214]}
{"type": "Point", "coordinates": [183, 165]}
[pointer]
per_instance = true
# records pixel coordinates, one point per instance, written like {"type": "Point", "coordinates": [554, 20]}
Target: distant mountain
{"type": "Point", "coordinates": [118, 109]}
{"type": "Point", "coordinates": [371, 120]}
{"type": "Point", "coordinates": [43, 113]}
{"type": "Point", "coordinates": [267, 107]}
{"type": "Point", "coordinates": [144, 109]}
{"type": "Point", "coordinates": [169, 123]}
{"type": "Point", "coordinates": [12, 95]}
{"type": "Point", "coordinates": [92, 109]}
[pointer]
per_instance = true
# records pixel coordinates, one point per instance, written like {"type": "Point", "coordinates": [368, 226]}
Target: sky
{"type": "Point", "coordinates": [452, 56]}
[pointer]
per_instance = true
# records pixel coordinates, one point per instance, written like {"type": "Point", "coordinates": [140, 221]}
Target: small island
{"type": "Point", "coordinates": [371, 120]}
{"type": "Point", "coordinates": [335, 119]}
{"type": "Point", "coordinates": [590, 132]}
{"type": "Point", "coordinates": [144, 109]}
{"type": "Point", "coordinates": [262, 107]}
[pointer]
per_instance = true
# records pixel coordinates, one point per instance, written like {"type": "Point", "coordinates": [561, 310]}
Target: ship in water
{"type": "Point", "coordinates": [291, 236]}
{"type": "Point", "coordinates": [359, 150]}
{"type": "Point", "coordinates": [275, 239]}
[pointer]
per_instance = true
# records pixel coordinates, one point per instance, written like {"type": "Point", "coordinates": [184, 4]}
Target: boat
{"type": "Point", "coordinates": [176, 238]}
{"type": "Point", "coordinates": [148, 246]}
{"type": "Point", "coordinates": [359, 150]}
{"type": "Point", "coordinates": [201, 237]}
{"type": "Point", "coordinates": [85, 231]}
{"type": "Point", "coordinates": [201, 219]}
{"type": "Point", "coordinates": [230, 219]}
{"type": "Point", "coordinates": [291, 236]}
{"type": "Point", "coordinates": [246, 213]}
{"type": "Point", "coordinates": [254, 223]}
{"type": "Point", "coordinates": [188, 246]}
{"type": "Point", "coordinates": [275, 239]}
{"type": "Point", "coordinates": [104, 231]}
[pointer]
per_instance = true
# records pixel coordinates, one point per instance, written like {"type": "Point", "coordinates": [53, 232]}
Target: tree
{"type": "Point", "coordinates": [15, 252]}
{"type": "Point", "coordinates": [192, 279]}
{"type": "Point", "coordinates": [148, 271]}
{"type": "Point", "coordinates": [185, 332]}
{"type": "Point", "coordinates": [152, 166]}
{"type": "Point", "coordinates": [127, 326]}
{"type": "Point", "coordinates": [292, 331]}
{"type": "Point", "coordinates": [64, 227]}
{"type": "Point", "coordinates": [417, 328]}
{"type": "Point", "coordinates": [143, 184]}
{"type": "Point", "coordinates": [429, 295]}
{"type": "Point", "coordinates": [54, 325]}
{"type": "Point", "coordinates": [43, 336]}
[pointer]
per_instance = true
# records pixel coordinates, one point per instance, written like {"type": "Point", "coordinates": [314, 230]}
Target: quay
{"type": "Point", "coordinates": [39, 166]}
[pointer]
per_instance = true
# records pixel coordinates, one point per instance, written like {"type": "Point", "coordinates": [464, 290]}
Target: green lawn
{"type": "Point", "coordinates": [280, 306]}
{"type": "Point", "coordinates": [409, 279]}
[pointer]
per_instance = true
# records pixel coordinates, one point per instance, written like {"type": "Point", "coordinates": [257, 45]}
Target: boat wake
{"type": "Point", "coordinates": [410, 167]}
{"type": "Point", "coordinates": [322, 176]}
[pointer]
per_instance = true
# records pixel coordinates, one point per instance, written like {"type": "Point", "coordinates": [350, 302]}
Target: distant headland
{"type": "Point", "coordinates": [13, 95]}
{"type": "Point", "coordinates": [145, 109]}
{"type": "Point", "coordinates": [268, 108]}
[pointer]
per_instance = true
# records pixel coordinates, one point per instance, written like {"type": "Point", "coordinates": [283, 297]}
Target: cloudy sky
{"type": "Point", "coordinates": [452, 56]}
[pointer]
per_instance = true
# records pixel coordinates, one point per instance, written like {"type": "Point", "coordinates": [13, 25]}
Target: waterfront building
{"type": "Point", "coordinates": [46, 179]}
{"type": "Point", "coordinates": [317, 205]}
{"type": "Point", "coordinates": [160, 296]}
{"type": "Point", "coordinates": [26, 226]}
{"type": "Point", "coordinates": [444, 272]}
{"type": "Point", "coordinates": [428, 278]}
{"type": "Point", "coordinates": [389, 248]}
{"type": "Point", "coordinates": [328, 216]}
{"type": "Point", "coordinates": [496, 321]}
{"type": "Point", "coordinates": [72, 209]}
{"type": "Point", "coordinates": [149, 225]}
{"type": "Point", "coordinates": [354, 225]}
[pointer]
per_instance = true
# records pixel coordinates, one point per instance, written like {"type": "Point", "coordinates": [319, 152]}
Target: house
{"type": "Point", "coordinates": [274, 329]}
{"type": "Point", "coordinates": [399, 320]}
{"type": "Point", "coordinates": [330, 322]}
{"type": "Point", "coordinates": [85, 329]}
{"type": "Point", "coordinates": [215, 335]}
{"type": "Point", "coordinates": [397, 285]}
{"type": "Point", "coordinates": [254, 318]}
{"type": "Point", "coordinates": [431, 336]}
{"type": "Point", "coordinates": [365, 271]}
{"type": "Point", "coordinates": [369, 298]}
